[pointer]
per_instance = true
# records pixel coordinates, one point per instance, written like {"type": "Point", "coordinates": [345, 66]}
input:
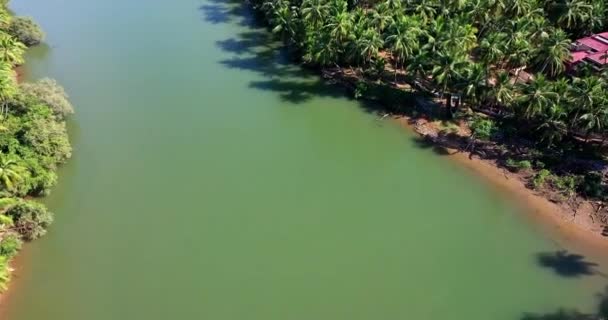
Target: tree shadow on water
{"type": "Point", "coordinates": [225, 11]}
{"type": "Point", "coordinates": [601, 312]}
{"type": "Point", "coordinates": [258, 50]}
{"type": "Point", "coordinates": [566, 264]}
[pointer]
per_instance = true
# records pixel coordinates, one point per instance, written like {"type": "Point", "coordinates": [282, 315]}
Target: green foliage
{"type": "Point", "coordinates": [592, 185]}
{"type": "Point", "coordinates": [483, 128]}
{"type": "Point", "coordinates": [11, 50]}
{"type": "Point", "coordinates": [31, 219]}
{"type": "Point", "coordinates": [566, 184]}
{"type": "Point", "coordinates": [47, 137]}
{"type": "Point", "coordinates": [33, 141]}
{"type": "Point", "coordinates": [518, 165]}
{"type": "Point", "coordinates": [49, 92]}
{"type": "Point", "coordinates": [10, 244]}
{"type": "Point", "coordinates": [541, 178]}
{"type": "Point", "coordinates": [5, 273]}
{"type": "Point", "coordinates": [26, 30]}
{"type": "Point", "coordinates": [361, 89]}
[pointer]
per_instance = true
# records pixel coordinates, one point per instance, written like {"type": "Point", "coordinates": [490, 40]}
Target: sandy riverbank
{"type": "Point", "coordinates": [578, 228]}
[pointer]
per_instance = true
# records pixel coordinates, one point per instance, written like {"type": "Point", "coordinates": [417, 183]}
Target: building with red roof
{"type": "Point", "coordinates": [592, 50]}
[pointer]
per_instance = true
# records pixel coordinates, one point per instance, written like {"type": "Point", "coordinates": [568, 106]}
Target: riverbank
{"type": "Point", "coordinates": [418, 112]}
{"type": "Point", "coordinates": [534, 126]}
{"type": "Point", "coordinates": [34, 142]}
{"type": "Point", "coordinates": [556, 217]}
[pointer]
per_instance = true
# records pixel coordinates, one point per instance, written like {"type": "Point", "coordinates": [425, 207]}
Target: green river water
{"type": "Point", "coordinates": [212, 179]}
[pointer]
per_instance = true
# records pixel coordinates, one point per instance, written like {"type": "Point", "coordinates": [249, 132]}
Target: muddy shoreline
{"type": "Point", "coordinates": [558, 219]}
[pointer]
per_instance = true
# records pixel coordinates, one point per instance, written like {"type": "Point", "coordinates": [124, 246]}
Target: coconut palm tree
{"type": "Point", "coordinates": [403, 40]}
{"type": "Point", "coordinates": [11, 50]}
{"type": "Point", "coordinates": [11, 171]}
{"type": "Point", "coordinates": [553, 53]}
{"type": "Point", "coordinates": [536, 97]}
{"type": "Point", "coordinates": [5, 273]}
{"type": "Point", "coordinates": [367, 45]}
{"type": "Point", "coordinates": [314, 12]}
{"type": "Point", "coordinates": [8, 86]}
{"type": "Point", "coordinates": [282, 18]}
{"type": "Point", "coordinates": [585, 95]}
{"type": "Point", "coordinates": [450, 68]}
{"type": "Point", "coordinates": [518, 8]}
{"type": "Point", "coordinates": [570, 14]}
{"type": "Point", "coordinates": [475, 83]}
{"type": "Point", "coordinates": [419, 65]}
{"type": "Point", "coordinates": [501, 94]}
{"type": "Point", "coordinates": [493, 48]}
{"type": "Point", "coordinates": [381, 17]}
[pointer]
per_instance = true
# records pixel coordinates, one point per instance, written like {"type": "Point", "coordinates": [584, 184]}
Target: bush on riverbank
{"type": "Point", "coordinates": [49, 92]}
{"type": "Point", "coordinates": [26, 30]}
{"type": "Point", "coordinates": [30, 219]}
{"type": "Point", "coordinates": [33, 141]}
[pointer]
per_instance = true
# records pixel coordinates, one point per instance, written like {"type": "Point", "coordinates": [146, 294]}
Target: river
{"type": "Point", "coordinates": [213, 179]}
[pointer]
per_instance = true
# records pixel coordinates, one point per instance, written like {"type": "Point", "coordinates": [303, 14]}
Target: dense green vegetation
{"type": "Point", "coordinates": [474, 50]}
{"type": "Point", "coordinates": [33, 141]}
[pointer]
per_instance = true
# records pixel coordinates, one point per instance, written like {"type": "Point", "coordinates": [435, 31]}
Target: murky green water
{"type": "Point", "coordinates": [211, 179]}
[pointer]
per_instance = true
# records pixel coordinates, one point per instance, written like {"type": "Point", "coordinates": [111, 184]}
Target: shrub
{"type": "Point", "coordinates": [49, 92]}
{"type": "Point", "coordinates": [10, 244]}
{"type": "Point", "coordinates": [592, 185]}
{"type": "Point", "coordinates": [361, 89]}
{"type": "Point", "coordinates": [518, 165]}
{"type": "Point", "coordinates": [31, 219]}
{"type": "Point", "coordinates": [566, 184]}
{"type": "Point", "coordinates": [48, 138]}
{"type": "Point", "coordinates": [483, 128]}
{"type": "Point", "coordinates": [5, 273]}
{"type": "Point", "coordinates": [26, 30]}
{"type": "Point", "coordinates": [541, 178]}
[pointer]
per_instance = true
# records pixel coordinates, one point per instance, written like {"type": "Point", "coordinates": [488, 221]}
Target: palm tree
{"type": "Point", "coordinates": [553, 53]}
{"type": "Point", "coordinates": [282, 18]}
{"type": "Point", "coordinates": [492, 48]}
{"type": "Point", "coordinates": [11, 171]}
{"type": "Point", "coordinates": [314, 12]}
{"type": "Point", "coordinates": [8, 86]}
{"type": "Point", "coordinates": [585, 94]}
{"type": "Point", "coordinates": [536, 97]}
{"type": "Point", "coordinates": [570, 13]}
{"type": "Point", "coordinates": [518, 8]}
{"type": "Point", "coordinates": [426, 10]}
{"type": "Point", "coordinates": [501, 94]}
{"type": "Point", "coordinates": [381, 17]}
{"type": "Point", "coordinates": [403, 41]}
{"type": "Point", "coordinates": [460, 34]}
{"type": "Point", "coordinates": [5, 273]}
{"type": "Point", "coordinates": [594, 119]}
{"type": "Point", "coordinates": [475, 82]}
{"type": "Point", "coordinates": [450, 68]}
{"type": "Point", "coordinates": [11, 50]}
{"type": "Point", "coordinates": [340, 28]}
{"type": "Point", "coordinates": [367, 45]}
{"type": "Point", "coordinates": [418, 65]}
{"type": "Point", "coordinates": [5, 19]}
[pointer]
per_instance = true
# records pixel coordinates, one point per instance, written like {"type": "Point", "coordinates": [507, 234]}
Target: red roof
{"type": "Point", "coordinates": [600, 58]}
{"type": "Point", "coordinates": [578, 56]}
{"type": "Point", "coordinates": [594, 44]}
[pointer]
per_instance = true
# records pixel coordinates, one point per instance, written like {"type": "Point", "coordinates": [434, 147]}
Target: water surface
{"type": "Point", "coordinates": [212, 179]}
